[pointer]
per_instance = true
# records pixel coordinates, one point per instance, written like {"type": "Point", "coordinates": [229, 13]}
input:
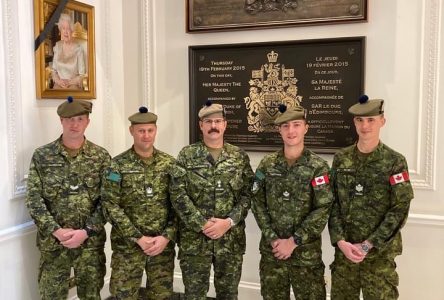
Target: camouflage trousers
{"type": "Point", "coordinates": [55, 270]}
{"type": "Point", "coordinates": [127, 272]}
{"type": "Point", "coordinates": [278, 276]}
{"type": "Point", "coordinates": [376, 277]}
{"type": "Point", "coordinates": [196, 275]}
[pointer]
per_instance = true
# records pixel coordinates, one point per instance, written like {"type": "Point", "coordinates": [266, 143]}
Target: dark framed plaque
{"type": "Point", "coordinates": [324, 76]}
{"type": "Point", "coordinates": [223, 15]}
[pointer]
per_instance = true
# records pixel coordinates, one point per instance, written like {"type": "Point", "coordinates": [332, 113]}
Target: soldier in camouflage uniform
{"type": "Point", "coordinates": [372, 198]}
{"type": "Point", "coordinates": [63, 198]}
{"type": "Point", "coordinates": [136, 202]}
{"type": "Point", "coordinates": [291, 204]}
{"type": "Point", "coordinates": [210, 191]}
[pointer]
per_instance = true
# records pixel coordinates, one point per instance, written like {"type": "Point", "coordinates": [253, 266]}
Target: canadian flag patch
{"type": "Point", "coordinates": [398, 178]}
{"type": "Point", "coordinates": [320, 180]}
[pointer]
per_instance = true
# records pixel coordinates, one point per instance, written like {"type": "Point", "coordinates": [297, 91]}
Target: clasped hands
{"type": "Point", "coordinates": [152, 246]}
{"type": "Point", "coordinates": [215, 228]}
{"type": "Point", "coordinates": [70, 238]}
{"type": "Point", "coordinates": [283, 248]}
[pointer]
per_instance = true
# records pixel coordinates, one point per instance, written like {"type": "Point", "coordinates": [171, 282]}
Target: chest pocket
{"type": "Point", "coordinates": [345, 184]}
{"type": "Point", "coordinates": [133, 184]}
{"type": "Point", "coordinates": [304, 190]}
{"type": "Point", "coordinates": [236, 181]}
{"type": "Point", "coordinates": [378, 189]}
{"type": "Point", "coordinates": [53, 179]}
{"type": "Point", "coordinates": [276, 189]}
{"type": "Point", "coordinates": [92, 184]}
{"type": "Point", "coordinates": [197, 182]}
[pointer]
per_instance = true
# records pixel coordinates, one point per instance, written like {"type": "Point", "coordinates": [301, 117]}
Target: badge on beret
{"type": "Point", "coordinates": [400, 177]}
{"type": "Point", "coordinates": [320, 180]}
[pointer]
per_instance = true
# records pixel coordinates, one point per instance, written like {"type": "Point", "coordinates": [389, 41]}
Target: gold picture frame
{"type": "Point", "coordinates": [226, 15]}
{"type": "Point", "coordinates": [65, 60]}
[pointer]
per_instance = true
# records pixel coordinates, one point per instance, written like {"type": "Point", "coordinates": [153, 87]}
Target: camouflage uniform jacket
{"type": "Point", "coordinates": [292, 200]}
{"type": "Point", "coordinates": [136, 200]}
{"type": "Point", "coordinates": [64, 192]}
{"type": "Point", "coordinates": [202, 188]}
{"type": "Point", "coordinates": [367, 205]}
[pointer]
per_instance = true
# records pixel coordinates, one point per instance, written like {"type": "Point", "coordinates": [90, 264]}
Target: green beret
{"type": "Point", "coordinates": [209, 108]}
{"type": "Point", "coordinates": [72, 108]}
{"type": "Point", "coordinates": [367, 108]}
{"type": "Point", "coordinates": [143, 117]}
{"type": "Point", "coordinates": [290, 114]}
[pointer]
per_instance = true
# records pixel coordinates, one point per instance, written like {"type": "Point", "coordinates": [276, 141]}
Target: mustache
{"type": "Point", "coordinates": [213, 130]}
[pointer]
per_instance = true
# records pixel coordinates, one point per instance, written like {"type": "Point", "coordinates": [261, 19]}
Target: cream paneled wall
{"type": "Point", "coordinates": [142, 58]}
{"type": "Point", "coordinates": [27, 123]}
{"type": "Point", "coordinates": [403, 51]}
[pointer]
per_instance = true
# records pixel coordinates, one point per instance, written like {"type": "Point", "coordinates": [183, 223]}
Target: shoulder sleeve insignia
{"type": "Point", "coordinates": [259, 175]}
{"type": "Point", "coordinates": [113, 176]}
{"type": "Point", "coordinates": [320, 180]}
{"type": "Point", "coordinates": [400, 177]}
{"type": "Point", "coordinates": [258, 178]}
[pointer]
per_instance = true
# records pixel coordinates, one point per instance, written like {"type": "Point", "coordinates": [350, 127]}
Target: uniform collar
{"type": "Point", "coordinates": [374, 155]}
{"type": "Point", "coordinates": [85, 149]}
{"type": "Point", "coordinates": [207, 155]}
{"type": "Point", "coordinates": [301, 160]}
{"type": "Point", "coordinates": [136, 157]}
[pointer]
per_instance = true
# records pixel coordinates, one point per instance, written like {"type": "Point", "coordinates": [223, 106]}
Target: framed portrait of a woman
{"type": "Point", "coordinates": [65, 53]}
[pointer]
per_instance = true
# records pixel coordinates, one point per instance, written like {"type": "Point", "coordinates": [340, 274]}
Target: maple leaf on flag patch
{"type": "Point", "coordinates": [400, 177]}
{"type": "Point", "coordinates": [320, 180]}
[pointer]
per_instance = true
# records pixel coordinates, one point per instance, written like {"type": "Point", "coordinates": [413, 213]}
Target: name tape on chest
{"type": "Point", "coordinates": [399, 178]}
{"type": "Point", "coordinates": [320, 180]}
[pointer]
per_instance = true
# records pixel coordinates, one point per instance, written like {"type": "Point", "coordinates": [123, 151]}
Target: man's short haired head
{"type": "Point", "coordinates": [210, 109]}
{"type": "Point", "coordinates": [367, 107]}
{"type": "Point", "coordinates": [143, 117]}
{"type": "Point", "coordinates": [73, 107]}
{"type": "Point", "coordinates": [292, 113]}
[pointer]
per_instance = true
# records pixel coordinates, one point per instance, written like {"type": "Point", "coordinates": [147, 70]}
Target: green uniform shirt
{"type": "Point", "coordinates": [292, 200]}
{"type": "Point", "coordinates": [368, 206]}
{"type": "Point", "coordinates": [202, 188]}
{"type": "Point", "coordinates": [64, 192]}
{"type": "Point", "coordinates": [136, 200]}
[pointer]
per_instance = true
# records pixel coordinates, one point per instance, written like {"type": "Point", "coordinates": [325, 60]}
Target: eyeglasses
{"type": "Point", "coordinates": [210, 122]}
